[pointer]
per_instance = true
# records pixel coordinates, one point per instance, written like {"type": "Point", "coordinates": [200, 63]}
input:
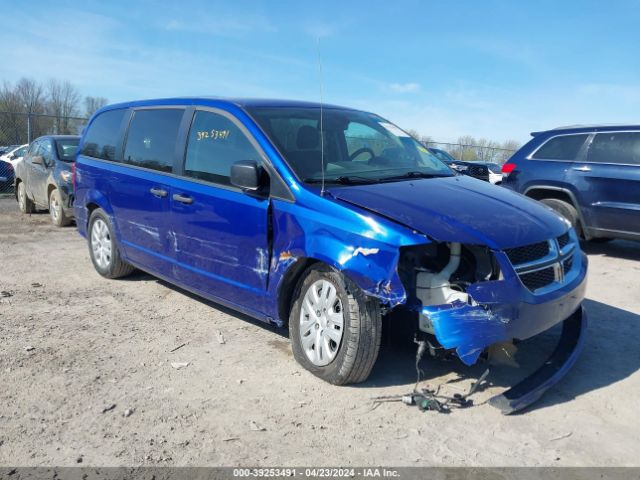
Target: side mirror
{"type": "Point", "coordinates": [37, 160]}
{"type": "Point", "coordinates": [246, 174]}
{"type": "Point", "coordinates": [13, 156]}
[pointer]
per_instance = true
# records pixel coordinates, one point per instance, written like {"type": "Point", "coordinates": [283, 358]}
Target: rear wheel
{"type": "Point", "coordinates": [24, 203]}
{"type": "Point", "coordinates": [56, 211]}
{"type": "Point", "coordinates": [334, 328]}
{"type": "Point", "coordinates": [567, 210]}
{"type": "Point", "coordinates": [103, 247]}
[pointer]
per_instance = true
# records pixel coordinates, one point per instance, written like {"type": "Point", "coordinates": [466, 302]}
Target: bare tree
{"type": "Point", "coordinates": [91, 104]}
{"type": "Point", "coordinates": [63, 100]}
{"type": "Point", "coordinates": [13, 126]}
{"type": "Point", "coordinates": [31, 95]}
{"type": "Point", "coordinates": [33, 101]}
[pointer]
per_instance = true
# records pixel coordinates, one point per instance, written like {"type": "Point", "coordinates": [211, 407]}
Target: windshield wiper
{"type": "Point", "coordinates": [414, 175]}
{"type": "Point", "coordinates": [344, 180]}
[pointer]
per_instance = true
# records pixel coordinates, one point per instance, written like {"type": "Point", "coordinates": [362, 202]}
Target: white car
{"type": "Point", "coordinates": [15, 155]}
{"type": "Point", "coordinates": [495, 173]}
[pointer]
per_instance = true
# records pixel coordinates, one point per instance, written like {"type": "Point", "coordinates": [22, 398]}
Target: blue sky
{"type": "Point", "coordinates": [495, 69]}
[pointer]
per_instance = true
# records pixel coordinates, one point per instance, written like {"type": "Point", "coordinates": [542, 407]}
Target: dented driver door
{"type": "Point", "coordinates": [219, 232]}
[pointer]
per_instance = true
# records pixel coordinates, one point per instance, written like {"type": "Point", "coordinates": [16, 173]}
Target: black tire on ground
{"type": "Point", "coordinates": [59, 219]}
{"type": "Point", "coordinates": [567, 210]}
{"type": "Point", "coordinates": [24, 203]}
{"type": "Point", "coordinates": [600, 240]}
{"type": "Point", "coordinates": [115, 268]}
{"type": "Point", "coordinates": [362, 329]}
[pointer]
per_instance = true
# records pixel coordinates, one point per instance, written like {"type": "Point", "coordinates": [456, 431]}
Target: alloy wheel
{"type": "Point", "coordinates": [321, 323]}
{"type": "Point", "coordinates": [101, 243]}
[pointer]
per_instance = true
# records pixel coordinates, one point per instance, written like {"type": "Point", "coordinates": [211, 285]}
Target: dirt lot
{"type": "Point", "coordinates": [73, 345]}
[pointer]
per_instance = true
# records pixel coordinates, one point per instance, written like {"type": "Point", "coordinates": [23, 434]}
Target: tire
{"type": "Point", "coordinates": [567, 210]}
{"type": "Point", "coordinates": [103, 247]}
{"type": "Point", "coordinates": [600, 240]}
{"type": "Point", "coordinates": [56, 211]}
{"type": "Point", "coordinates": [350, 360]}
{"type": "Point", "coordinates": [24, 203]}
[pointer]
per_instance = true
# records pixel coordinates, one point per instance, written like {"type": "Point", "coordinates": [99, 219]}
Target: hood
{"type": "Point", "coordinates": [459, 209]}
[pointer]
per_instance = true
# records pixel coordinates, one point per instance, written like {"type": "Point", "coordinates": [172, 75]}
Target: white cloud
{"type": "Point", "coordinates": [220, 25]}
{"type": "Point", "coordinates": [405, 87]}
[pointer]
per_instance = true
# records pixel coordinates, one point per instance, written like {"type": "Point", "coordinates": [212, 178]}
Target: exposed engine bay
{"type": "Point", "coordinates": [438, 274]}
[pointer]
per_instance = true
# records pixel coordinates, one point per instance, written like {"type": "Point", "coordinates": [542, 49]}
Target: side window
{"type": "Point", "coordinates": [619, 147]}
{"type": "Point", "coordinates": [563, 147]}
{"type": "Point", "coordinates": [151, 141]}
{"type": "Point", "coordinates": [100, 140]}
{"type": "Point", "coordinates": [216, 143]}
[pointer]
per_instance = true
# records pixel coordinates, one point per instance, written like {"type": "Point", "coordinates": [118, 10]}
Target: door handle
{"type": "Point", "coordinates": [158, 192]}
{"type": "Point", "coordinates": [182, 198]}
{"type": "Point", "coordinates": [584, 168]}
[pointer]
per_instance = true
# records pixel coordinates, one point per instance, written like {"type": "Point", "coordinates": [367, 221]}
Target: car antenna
{"type": "Point", "coordinates": [321, 117]}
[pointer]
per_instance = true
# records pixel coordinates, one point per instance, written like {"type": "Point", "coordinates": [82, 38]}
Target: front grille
{"type": "Point", "coordinates": [478, 171]}
{"type": "Point", "coordinates": [538, 279]}
{"type": "Point", "coordinates": [540, 264]}
{"type": "Point", "coordinates": [528, 253]}
{"type": "Point", "coordinates": [563, 240]}
{"type": "Point", "coordinates": [567, 264]}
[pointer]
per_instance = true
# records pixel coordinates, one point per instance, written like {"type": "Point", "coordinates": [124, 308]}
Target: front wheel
{"type": "Point", "coordinates": [334, 328]}
{"type": "Point", "coordinates": [566, 210]}
{"type": "Point", "coordinates": [103, 247]}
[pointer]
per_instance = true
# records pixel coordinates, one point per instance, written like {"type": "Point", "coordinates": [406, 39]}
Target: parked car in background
{"type": "Point", "coordinates": [43, 178]}
{"type": "Point", "coordinates": [443, 155]}
{"type": "Point", "coordinates": [479, 170]}
{"type": "Point", "coordinates": [241, 202]}
{"type": "Point", "coordinates": [588, 174]}
{"type": "Point", "coordinates": [15, 154]}
{"type": "Point", "coordinates": [495, 172]}
{"type": "Point", "coordinates": [6, 148]}
{"type": "Point", "coordinates": [6, 177]}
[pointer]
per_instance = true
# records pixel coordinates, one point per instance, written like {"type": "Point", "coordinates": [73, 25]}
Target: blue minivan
{"type": "Point", "coordinates": [588, 174]}
{"type": "Point", "coordinates": [325, 219]}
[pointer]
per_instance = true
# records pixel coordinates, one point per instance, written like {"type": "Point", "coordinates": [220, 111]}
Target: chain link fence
{"type": "Point", "coordinates": [20, 128]}
{"type": "Point", "coordinates": [470, 153]}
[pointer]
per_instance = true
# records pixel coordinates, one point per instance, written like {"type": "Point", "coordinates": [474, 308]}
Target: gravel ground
{"type": "Point", "coordinates": [86, 376]}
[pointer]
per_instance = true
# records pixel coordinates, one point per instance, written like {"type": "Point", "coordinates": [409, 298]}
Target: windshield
{"type": "Point", "coordinates": [358, 147]}
{"type": "Point", "coordinates": [19, 152]}
{"type": "Point", "coordinates": [67, 149]}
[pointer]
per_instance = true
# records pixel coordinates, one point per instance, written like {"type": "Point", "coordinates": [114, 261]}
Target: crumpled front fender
{"type": "Point", "coordinates": [363, 248]}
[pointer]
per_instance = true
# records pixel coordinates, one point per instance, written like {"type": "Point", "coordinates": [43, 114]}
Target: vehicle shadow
{"type": "Point", "coordinates": [626, 249]}
{"type": "Point", "coordinates": [139, 275]}
{"type": "Point", "coordinates": [610, 354]}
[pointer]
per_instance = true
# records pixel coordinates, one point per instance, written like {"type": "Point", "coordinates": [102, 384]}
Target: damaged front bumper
{"type": "Point", "coordinates": [552, 370]}
{"type": "Point", "coordinates": [504, 310]}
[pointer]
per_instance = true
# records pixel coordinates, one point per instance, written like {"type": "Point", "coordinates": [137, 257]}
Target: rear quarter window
{"type": "Point", "coordinates": [101, 138]}
{"type": "Point", "coordinates": [615, 147]}
{"type": "Point", "coordinates": [563, 147]}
